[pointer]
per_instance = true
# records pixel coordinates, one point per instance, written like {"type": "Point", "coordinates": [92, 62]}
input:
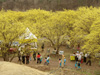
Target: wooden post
{"type": "Point", "coordinates": [62, 71]}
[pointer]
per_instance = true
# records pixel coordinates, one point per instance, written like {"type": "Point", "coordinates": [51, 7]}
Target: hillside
{"type": "Point", "coordinates": [7, 68]}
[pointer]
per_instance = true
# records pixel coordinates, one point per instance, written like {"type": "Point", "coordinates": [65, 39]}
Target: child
{"type": "Point", "coordinates": [41, 58]}
{"type": "Point", "coordinates": [45, 61]}
{"type": "Point", "coordinates": [60, 62]}
{"type": "Point", "coordinates": [38, 58]}
{"type": "Point", "coordinates": [64, 61]}
{"type": "Point", "coordinates": [76, 64]}
{"type": "Point", "coordinates": [79, 64]}
{"type": "Point", "coordinates": [48, 58]}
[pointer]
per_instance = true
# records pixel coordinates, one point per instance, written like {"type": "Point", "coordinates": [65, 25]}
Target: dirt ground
{"type": "Point", "coordinates": [69, 69]}
{"type": "Point", "coordinates": [8, 68]}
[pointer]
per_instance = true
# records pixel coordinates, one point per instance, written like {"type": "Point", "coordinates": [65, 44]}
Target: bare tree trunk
{"type": "Point", "coordinates": [52, 43]}
{"type": "Point", "coordinates": [57, 49]}
{"type": "Point", "coordinates": [55, 46]}
{"type": "Point", "coordinates": [5, 56]}
{"type": "Point", "coordinates": [12, 57]}
{"type": "Point", "coordinates": [5, 51]}
{"type": "Point", "coordinates": [58, 44]}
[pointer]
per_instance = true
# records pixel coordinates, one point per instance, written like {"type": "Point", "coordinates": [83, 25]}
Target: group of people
{"type": "Point", "coordinates": [60, 62]}
{"type": "Point", "coordinates": [26, 58]}
{"type": "Point", "coordinates": [40, 58]}
{"type": "Point", "coordinates": [80, 58]}
{"type": "Point", "coordinates": [47, 60]}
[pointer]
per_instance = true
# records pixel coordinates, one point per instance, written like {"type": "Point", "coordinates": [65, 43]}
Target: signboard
{"type": "Point", "coordinates": [61, 52]}
{"type": "Point", "coordinates": [19, 49]}
{"type": "Point", "coordinates": [97, 55]}
{"type": "Point", "coordinates": [54, 51]}
{"type": "Point", "coordinates": [22, 46]}
{"type": "Point", "coordinates": [48, 50]}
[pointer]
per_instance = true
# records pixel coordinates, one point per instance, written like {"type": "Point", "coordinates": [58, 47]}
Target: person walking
{"type": "Point", "coordinates": [76, 61]}
{"type": "Point", "coordinates": [23, 58]}
{"type": "Point", "coordinates": [79, 65]}
{"type": "Point", "coordinates": [64, 61]}
{"type": "Point", "coordinates": [34, 56]}
{"type": "Point", "coordinates": [41, 59]}
{"type": "Point", "coordinates": [27, 59]}
{"type": "Point", "coordinates": [89, 61]}
{"type": "Point", "coordinates": [60, 61]}
{"type": "Point", "coordinates": [48, 60]}
{"type": "Point", "coordinates": [76, 58]}
{"type": "Point", "coordinates": [30, 57]}
{"type": "Point", "coordinates": [85, 57]}
{"type": "Point", "coordinates": [76, 64]}
{"type": "Point", "coordinates": [42, 47]}
{"type": "Point", "coordinates": [79, 57]}
{"type": "Point", "coordinates": [45, 61]}
{"type": "Point", "coordinates": [38, 58]}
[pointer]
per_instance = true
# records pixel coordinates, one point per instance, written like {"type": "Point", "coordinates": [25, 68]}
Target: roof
{"type": "Point", "coordinates": [28, 35]}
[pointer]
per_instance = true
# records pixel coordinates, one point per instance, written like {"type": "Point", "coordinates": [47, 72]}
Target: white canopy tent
{"type": "Point", "coordinates": [29, 35]}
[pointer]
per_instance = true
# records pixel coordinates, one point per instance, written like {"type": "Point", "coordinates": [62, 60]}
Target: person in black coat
{"type": "Point", "coordinates": [42, 47]}
{"type": "Point", "coordinates": [76, 58]}
{"type": "Point", "coordinates": [89, 61]}
{"type": "Point", "coordinates": [23, 59]}
{"type": "Point", "coordinates": [34, 56]}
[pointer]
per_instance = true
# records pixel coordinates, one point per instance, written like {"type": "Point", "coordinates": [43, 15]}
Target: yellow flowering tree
{"type": "Point", "coordinates": [92, 40]}
{"type": "Point", "coordinates": [10, 29]}
{"type": "Point", "coordinates": [83, 23]}
{"type": "Point", "coordinates": [53, 26]}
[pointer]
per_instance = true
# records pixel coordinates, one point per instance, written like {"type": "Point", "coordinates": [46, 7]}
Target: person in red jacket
{"type": "Point", "coordinates": [38, 58]}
